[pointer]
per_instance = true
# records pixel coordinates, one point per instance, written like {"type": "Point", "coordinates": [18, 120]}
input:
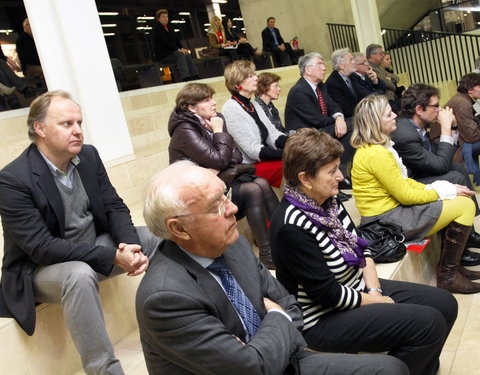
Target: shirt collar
{"type": "Point", "coordinates": [53, 168]}
{"type": "Point", "coordinates": [203, 261]}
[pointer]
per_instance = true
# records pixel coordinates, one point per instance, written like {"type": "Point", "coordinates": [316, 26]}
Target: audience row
{"type": "Point", "coordinates": [206, 304]}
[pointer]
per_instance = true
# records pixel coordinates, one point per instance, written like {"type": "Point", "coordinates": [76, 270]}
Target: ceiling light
{"type": "Point", "coordinates": [238, 19]}
{"type": "Point", "coordinates": [108, 34]}
{"type": "Point", "coordinates": [109, 25]}
{"type": "Point", "coordinates": [184, 13]}
{"type": "Point", "coordinates": [145, 18]}
{"type": "Point", "coordinates": [108, 13]}
{"type": "Point", "coordinates": [219, 1]}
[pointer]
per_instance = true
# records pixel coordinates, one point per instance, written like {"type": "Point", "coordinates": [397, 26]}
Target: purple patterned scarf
{"type": "Point", "coordinates": [326, 218]}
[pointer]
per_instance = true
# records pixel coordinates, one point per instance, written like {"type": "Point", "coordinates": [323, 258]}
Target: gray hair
{"type": "Point", "coordinates": [39, 109]}
{"type": "Point", "coordinates": [164, 198]}
{"type": "Point", "coordinates": [305, 61]}
{"type": "Point", "coordinates": [357, 55]}
{"type": "Point", "coordinates": [371, 48]}
{"type": "Point", "coordinates": [338, 57]}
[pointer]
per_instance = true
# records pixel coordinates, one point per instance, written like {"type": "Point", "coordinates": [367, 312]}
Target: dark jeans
{"type": "Point", "coordinates": [283, 58]}
{"type": "Point", "coordinates": [184, 64]}
{"type": "Point", "coordinates": [413, 329]}
{"type": "Point", "coordinates": [470, 152]}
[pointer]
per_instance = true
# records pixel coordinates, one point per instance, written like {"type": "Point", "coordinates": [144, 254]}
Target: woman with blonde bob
{"type": "Point", "coordinates": [329, 269]}
{"type": "Point", "coordinates": [383, 190]}
{"type": "Point", "coordinates": [218, 42]}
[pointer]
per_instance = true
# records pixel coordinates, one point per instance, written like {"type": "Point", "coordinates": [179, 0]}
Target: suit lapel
{"type": "Point", "coordinates": [224, 309]}
{"type": "Point", "coordinates": [44, 180]}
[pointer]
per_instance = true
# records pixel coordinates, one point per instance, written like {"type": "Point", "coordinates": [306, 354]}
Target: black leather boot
{"type": "Point", "coordinates": [473, 240]}
{"type": "Point", "coordinates": [257, 222]}
{"type": "Point", "coordinates": [449, 276]}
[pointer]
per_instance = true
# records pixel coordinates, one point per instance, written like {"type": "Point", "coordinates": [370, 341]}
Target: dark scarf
{"type": "Point", "coordinates": [326, 218]}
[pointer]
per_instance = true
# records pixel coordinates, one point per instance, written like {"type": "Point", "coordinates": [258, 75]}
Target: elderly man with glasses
{"type": "Point", "coordinates": [310, 106]}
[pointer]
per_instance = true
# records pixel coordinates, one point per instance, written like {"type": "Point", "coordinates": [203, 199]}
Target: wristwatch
{"type": "Point", "coordinates": [379, 290]}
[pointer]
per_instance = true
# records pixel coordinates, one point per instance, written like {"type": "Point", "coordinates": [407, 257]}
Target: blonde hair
{"type": "Point", "coordinates": [213, 26]}
{"type": "Point", "coordinates": [236, 72]}
{"type": "Point", "coordinates": [368, 122]}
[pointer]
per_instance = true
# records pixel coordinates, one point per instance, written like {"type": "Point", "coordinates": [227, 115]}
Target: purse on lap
{"type": "Point", "coordinates": [234, 171]}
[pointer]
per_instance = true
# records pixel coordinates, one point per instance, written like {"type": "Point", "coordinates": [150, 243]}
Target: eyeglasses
{"type": "Point", "coordinates": [221, 209]}
{"type": "Point", "coordinates": [364, 63]}
{"type": "Point", "coordinates": [251, 76]}
{"type": "Point", "coordinates": [433, 105]}
{"type": "Point", "coordinates": [317, 65]}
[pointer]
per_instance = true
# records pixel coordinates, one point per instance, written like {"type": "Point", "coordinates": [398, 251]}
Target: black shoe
{"type": "Point", "coordinates": [343, 196]}
{"type": "Point", "coordinates": [345, 184]}
{"type": "Point", "coordinates": [470, 258]}
{"type": "Point", "coordinates": [473, 240]}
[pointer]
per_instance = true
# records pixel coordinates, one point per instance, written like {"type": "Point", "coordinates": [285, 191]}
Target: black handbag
{"type": "Point", "coordinates": [234, 171]}
{"type": "Point", "coordinates": [385, 240]}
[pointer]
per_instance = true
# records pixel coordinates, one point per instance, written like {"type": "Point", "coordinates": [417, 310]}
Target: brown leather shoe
{"type": "Point", "coordinates": [449, 276]}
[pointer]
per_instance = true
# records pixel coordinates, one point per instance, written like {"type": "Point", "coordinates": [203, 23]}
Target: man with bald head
{"type": "Point", "coordinates": [207, 306]}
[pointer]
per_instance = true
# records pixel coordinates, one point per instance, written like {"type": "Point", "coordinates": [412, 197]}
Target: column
{"type": "Point", "coordinates": [74, 57]}
{"type": "Point", "coordinates": [367, 23]}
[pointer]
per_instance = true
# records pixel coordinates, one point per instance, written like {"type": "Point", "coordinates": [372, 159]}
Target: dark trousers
{"type": "Point", "coordinates": [184, 63]}
{"type": "Point", "coordinates": [283, 58]}
{"type": "Point", "coordinates": [349, 151]}
{"type": "Point", "coordinates": [413, 329]}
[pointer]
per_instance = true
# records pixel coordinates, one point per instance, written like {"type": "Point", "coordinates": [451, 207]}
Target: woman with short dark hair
{"type": "Point", "coordinates": [321, 260]}
{"type": "Point", "coordinates": [268, 90]}
{"type": "Point", "coordinates": [198, 133]}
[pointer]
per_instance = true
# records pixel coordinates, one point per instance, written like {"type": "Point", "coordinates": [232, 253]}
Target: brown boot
{"type": "Point", "coordinates": [449, 276]}
{"type": "Point", "coordinates": [469, 274]}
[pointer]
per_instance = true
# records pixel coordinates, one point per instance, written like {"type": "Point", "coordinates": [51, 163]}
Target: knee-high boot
{"type": "Point", "coordinates": [258, 224]}
{"type": "Point", "coordinates": [449, 276]}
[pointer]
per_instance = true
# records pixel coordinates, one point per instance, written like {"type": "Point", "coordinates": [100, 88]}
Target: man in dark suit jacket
{"type": "Point", "coordinates": [365, 79]}
{"type": "Point", "coordinates": [64, 228]}
{"type": "Point", "coordinates": [273, 42]}
{"type": "Point", "coordinates": [189, 319]}
{"type": "Point", "coordinates": [169, 50]}
{"type": "Point", "coordinates": [425, 160]}
{"type": "Point", "coordinates": [340, 86]}
{"type": "Point", "coordinates": [310, 106]}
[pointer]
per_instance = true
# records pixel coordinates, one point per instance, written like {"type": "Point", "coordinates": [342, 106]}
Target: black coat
{"type": "Point", "coordinates": [165, 42]}
{"type": "Point", "coordinates": [33, 220]}
{"type": "Point", "coordinates": [267, 39]}
{"type": "Point", "coordinates": [303, 110]}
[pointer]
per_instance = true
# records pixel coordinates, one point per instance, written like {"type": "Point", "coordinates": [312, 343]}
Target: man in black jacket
{"type": "Point", "coordinates": [273, 42]}
{"type": "Point", "coordinates": [169, 50]}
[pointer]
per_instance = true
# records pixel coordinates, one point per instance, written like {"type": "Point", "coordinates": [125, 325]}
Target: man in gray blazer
{"type": "Point", "coordinates": [189, 319]}
{"type": "Point", "coordinates": [65, 229]}
{"type": "Point", "coordinates": [427, 161]}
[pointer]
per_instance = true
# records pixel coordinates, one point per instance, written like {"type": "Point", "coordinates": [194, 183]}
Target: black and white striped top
{"type": "Point", "coordinates": [311, 267]}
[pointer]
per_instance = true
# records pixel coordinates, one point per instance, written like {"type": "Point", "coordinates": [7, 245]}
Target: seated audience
{"type": "Point", "coordinates": [256, 137]}
{"type": "Point", "coordinates": [310, 106]}
{"type": "Point", "coordinates": [10, 81]}
{"type": "Point", "coordinates": [375, 55]}
{"type": "Point", "coordinates": [322, 262]}
{"type": "Point", "coordinates": [28, 55]}
{"type": "Point", "coordinates": [427, 161]}
{"type": "Point", "coordinates": [65, 228]}
{"type": "Point", "coordinates": [273, 42]}
{"type": "Point", "coordinates": [244, 48]}
{"type": "Point", "coordinates": [268, 90]}
{"type": "Point", "coordinates": [388, 65]}
{"type": "Point", "coordinates": [341, 88]}
{"type": "Point", "coordinates": [383, 191]}
{"type": "Point", "coordinates": [207, 306]}
{"type": "Point", "coordinates": [366, 79]}
{"type": "Point", "coordinates": [169, 50]}
{"type": "Point", "coordinates": [468, 92]}
{"type": "Point", "coordinates": [218, 42]}
{"type": "Point", "coordinates": [198, 133]}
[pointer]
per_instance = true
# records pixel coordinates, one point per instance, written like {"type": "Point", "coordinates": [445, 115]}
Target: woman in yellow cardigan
{"type": "Point", "coordinates": [383, 190]}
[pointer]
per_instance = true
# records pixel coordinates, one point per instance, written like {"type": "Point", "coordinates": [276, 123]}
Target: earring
{"type": "Point", "coordinates": [239, 88]}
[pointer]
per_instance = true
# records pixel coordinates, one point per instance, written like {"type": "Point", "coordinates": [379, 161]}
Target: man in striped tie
{"type": "Point", "coordinates": [207, 306]}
